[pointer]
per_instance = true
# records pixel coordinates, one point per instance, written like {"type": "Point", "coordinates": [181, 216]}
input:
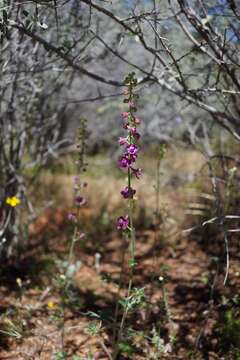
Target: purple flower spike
{"type": "Point", "coordinates": [124, 162]}
{"type": "Point", "coordinates": [128, 192]}
{"type": "Point", "coordinates": [132, 149]}
{"type": "Point", "coordinates": [122, 141]}
{"type": "Point", "coordinates": [122, 223]}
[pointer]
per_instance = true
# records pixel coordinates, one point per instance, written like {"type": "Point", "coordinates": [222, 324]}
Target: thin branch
{"type": "Point", "coordinates": [62, 55]}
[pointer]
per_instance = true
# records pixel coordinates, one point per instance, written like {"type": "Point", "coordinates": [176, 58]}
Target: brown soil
{"type": "Point", "coordinates": [193, 315]}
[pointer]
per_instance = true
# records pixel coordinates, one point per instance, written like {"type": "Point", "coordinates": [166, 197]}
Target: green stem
{"type": "Point", "coordinates": [132, 254]}
{"type": "Point", "coordinates": [130, 212]}
{"type": "Point", "coordinates": [66, 280]}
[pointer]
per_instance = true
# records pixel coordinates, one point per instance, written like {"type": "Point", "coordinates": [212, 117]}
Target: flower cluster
{"type": "Point", "coordinates": [78, 185]}
{"type": "Point", "coordinates": [131, 149]}
{"type": "Point", "coordinates": [130, 146]}
{"type": "Point", "coordinates": [13, 201]}
{"type": "Point", "coordinates": [122, 222]}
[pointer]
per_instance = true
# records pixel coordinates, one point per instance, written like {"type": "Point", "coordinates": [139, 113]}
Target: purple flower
{"type": "Point", "coordinates": [80, 200]}
{"type": "Point", "coordinates": [126, 125]}
{"type": "Point", "coordinates": [125, 114]}
{"type": "Point", "coordinates": [128, 192]}
{"type": "Point", "coordinates": [124, 162]}
{"type": "Point", "coordinates": [76, 179]}
{"type": "Point", "coordinates": [132, 149]}
{"type": "Point", "coordinates": [137, 121]}
{"type": "Point", "coordinates": [136, 172]}
{"type": "Point", "coordinates": [135, 133]}
{"type": "Point", "coordinates": [71, 217]}
{"type": "Point", "coordinates": [132, 158]}
{"type": "Point", "coordinates": [122, 141]}
{"type": "Point", "coordinates": [122, 222]}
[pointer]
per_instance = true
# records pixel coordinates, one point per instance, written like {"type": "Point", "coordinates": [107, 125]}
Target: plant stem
{"type": "Point", "coordinates": [105, 349]}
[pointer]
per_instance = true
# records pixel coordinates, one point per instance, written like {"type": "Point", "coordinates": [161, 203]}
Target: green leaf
{"type": "Point", "coordinates": [126, 347]}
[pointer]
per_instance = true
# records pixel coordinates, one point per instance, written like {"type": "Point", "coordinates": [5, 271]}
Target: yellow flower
{"type": "Point", "coordinates": [13, 201]}
{"type": "Point", "coordinates": [51, 305]}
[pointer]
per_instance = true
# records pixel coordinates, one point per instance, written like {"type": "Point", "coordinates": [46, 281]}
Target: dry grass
{"type": "Point", "coordinates": [105, 182]}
